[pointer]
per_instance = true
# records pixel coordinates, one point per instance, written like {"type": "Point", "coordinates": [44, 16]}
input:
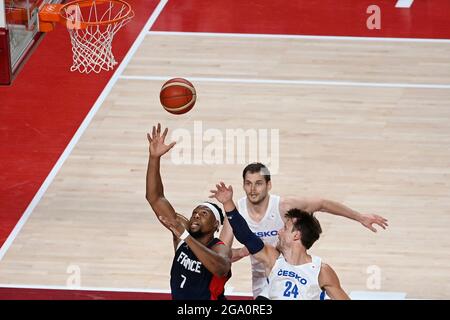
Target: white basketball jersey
{"type": "Point", "coordinates": [290, 282]}
{"type": "Point", "coordinates": [267, 230]}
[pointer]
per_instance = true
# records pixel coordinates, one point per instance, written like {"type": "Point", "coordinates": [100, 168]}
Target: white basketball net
{"type": "Point", "coordinates": [92, 40]}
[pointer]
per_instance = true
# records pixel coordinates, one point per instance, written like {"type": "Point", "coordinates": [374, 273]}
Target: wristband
{"type": "Point", "coordinates": [185, 235]}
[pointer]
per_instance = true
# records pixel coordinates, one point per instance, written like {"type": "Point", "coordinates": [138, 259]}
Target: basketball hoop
{"type": "Point", "coordinates": [92, 25]}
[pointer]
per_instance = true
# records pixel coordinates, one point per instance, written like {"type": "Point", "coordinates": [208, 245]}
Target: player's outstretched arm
{"type": "Point", "coordinates": [227, 236]}
{"type": "Point", "coordinates": [329, 281]}
{"type": "Point", "coordinates": [324, 205]}
{"type": "Point", "coordinates": [239, 253]}
{"type": "Point", "coordinates": [154, 186]}
{"type": "Point", "coordinates": [217, 259]}
{"type": "Point", "coordinates": [264, 253]}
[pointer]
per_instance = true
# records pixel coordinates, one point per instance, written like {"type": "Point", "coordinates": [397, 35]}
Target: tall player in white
{"type": "Point", "coordinates": [293, 274]}
{"type": "Point", "coordinates": [265, 213]}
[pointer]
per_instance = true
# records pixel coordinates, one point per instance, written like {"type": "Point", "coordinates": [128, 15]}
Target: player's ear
{"type": "Point", "coordinates": [217, 226]}
{"type": "Point", "coordinates": [297, 235]}
{"type": "Point", "coordinates": [269, 185]}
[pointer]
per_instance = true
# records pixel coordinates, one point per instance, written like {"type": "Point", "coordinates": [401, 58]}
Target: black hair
{"type": "Point", "coordinates": [307, 224]}
{"type": "Point", "coordinates": [257, 167]}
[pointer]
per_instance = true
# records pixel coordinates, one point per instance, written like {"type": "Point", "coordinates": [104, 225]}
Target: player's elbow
{"type": "Point", "coordinates": [317, 204]}
{"type": "Point", "coordinates": [223, 268]}
{"type": "Point", "coordinates": [151, 198]}
{"type": "Point", "coordinates": [236, 255]}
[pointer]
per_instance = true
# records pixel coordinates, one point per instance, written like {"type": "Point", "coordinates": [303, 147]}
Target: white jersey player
{"type": "Point", "coordinates": [294, 282]}
{"type": "Point", "coordinates": [264, 214]}
{"type": "Point", "coordinates": [292, 273]}
{"type": "Point", "coordinates": [266, 229]}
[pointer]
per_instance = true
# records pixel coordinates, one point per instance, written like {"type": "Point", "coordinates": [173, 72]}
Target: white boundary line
{"type": "Point", "coordinates": [2, 14]}
{"type": "Point", "coordinates": [46, 287]}
{"type": "Point", "coordinates": [404, 3]}
{"type": "Point", "coordinates": [81, 129]}
{"type": "Point", "coordinates": [298, 82]}
{"type": "Point", "coordinates": [288, 36]}
{"type": "Point", "coordinates": [365, 295]}
{"type": "Point", "coordinates": [107, 289]}
{"type": "Point", "coordinates": [110, 85]}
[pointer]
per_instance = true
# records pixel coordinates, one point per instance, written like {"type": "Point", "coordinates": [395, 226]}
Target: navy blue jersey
{"type": "Point", "coordinates": [190, 280]}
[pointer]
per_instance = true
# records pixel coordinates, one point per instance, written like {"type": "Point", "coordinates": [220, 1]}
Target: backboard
{"type": "Point", "coordinates": [18, 33]}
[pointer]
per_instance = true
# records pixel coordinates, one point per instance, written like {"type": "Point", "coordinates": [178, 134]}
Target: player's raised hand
{"type": "Point", "coordinates": [367, 220]}
{"type": "Point", "coordinates": [157, 147]}
{"type": "Point", "coordinates": [222, 193]}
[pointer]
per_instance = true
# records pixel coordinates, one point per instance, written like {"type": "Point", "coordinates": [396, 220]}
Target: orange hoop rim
{"type": "Point", "coordinates": [86, 3]}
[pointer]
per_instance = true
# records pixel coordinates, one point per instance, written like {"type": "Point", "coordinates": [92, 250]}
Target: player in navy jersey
{"type": "Point", "coordinates": [202, 263]}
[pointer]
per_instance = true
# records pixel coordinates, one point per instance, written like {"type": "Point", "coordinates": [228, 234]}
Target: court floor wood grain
{"type": "Point", "coordinates": [377, 150]}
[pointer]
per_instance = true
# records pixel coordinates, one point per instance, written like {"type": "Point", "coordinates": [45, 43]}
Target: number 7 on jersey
{"type": "Point", "coordinates": [182, 282]}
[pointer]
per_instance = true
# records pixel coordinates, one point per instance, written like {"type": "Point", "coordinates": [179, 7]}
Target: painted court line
{"type": "Point", "coordinates": [404, 3]}
{"type": "Point", "coordinates": [355, 295]}
{"type": "Point", "coordinates": [288, 36]}
{"type": "Point", "coordinates": [228, 290]}
{"type": "Point", "coordinates": [81, 129]}
{"type": "Point", "coordinates": [298, 82]}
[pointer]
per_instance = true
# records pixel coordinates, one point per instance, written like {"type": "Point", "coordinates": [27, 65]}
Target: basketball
{"type": "Point", "coordinates": [177, 96]}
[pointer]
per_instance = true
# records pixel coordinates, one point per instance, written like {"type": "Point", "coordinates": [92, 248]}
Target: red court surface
{"type": "Point", "coordinates": [43, 108]}
{"type": "Point", "coordinates": [39, 294]}
{"type": "Point", "coordinates": [425, 19]}
{"type": "Point", "coordinates": [46, 104]}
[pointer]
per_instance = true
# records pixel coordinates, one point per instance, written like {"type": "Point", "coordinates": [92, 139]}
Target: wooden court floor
{"type": "Point", "coordinates": [360, 122]}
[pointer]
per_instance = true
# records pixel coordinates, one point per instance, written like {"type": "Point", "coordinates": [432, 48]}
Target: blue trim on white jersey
{"type": "Point", "coordinates": [322, 295]}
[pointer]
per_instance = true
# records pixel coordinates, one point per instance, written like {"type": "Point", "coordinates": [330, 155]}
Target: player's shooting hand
{"type": "Point", "coordinates": [157, 147]}
{"type": "Point", "coordinates": [222, 193]}
{"type": "Point", "coordinates": [367, 220]}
